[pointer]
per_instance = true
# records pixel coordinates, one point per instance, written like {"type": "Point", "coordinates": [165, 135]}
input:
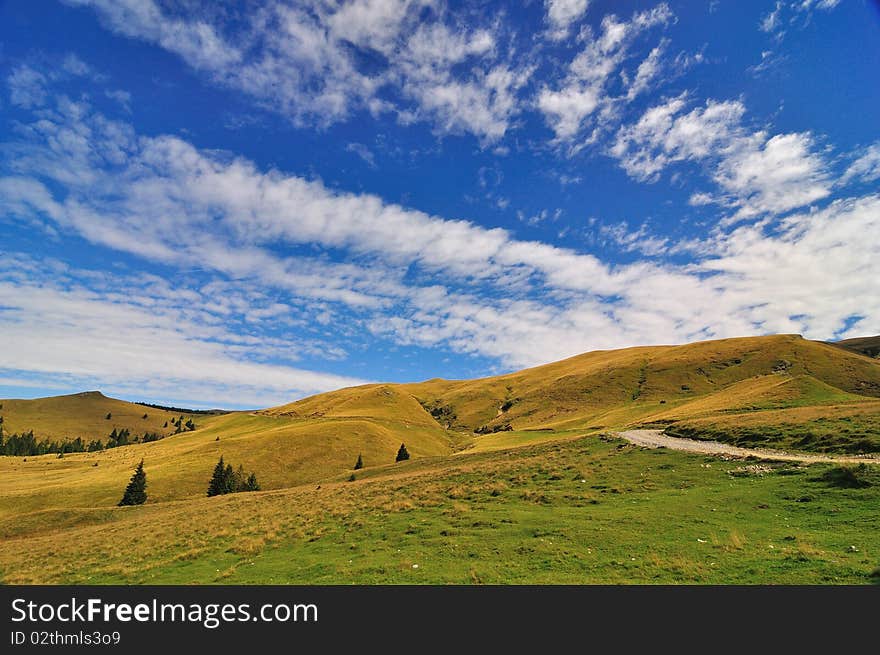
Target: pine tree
{"type": "Point", "coordinates": [402, 453]}
{"type": "Point", "coordinates": [217, 485]}
{"type": "Point", "coordinates": [251, 484]}
{"type": "Point", "coordinates": [229, 479]}
{"type": "Point", "coordinates": [359, 464]}
{"type": "Point", "coordinates": [136, 491]}
{"type": "Point", "coordinates": [239, 479]}
{"type": "Point", "coordinates": [190, 425]}
{"type": "Point", "coordinates": [109, 416]}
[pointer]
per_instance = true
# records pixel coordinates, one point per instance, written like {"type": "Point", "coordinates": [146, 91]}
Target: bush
{"type": "Point", "coordinates": [359, 464]}
{"type": "Point", "coordinates": [849, 477]}
{"type": "Point", "coordinates": [402, 453]}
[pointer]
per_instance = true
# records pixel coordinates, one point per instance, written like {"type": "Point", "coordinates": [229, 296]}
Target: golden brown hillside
{"type": "Point", "coordinates": [84, 415]}
{"type": "Point", "coordinates": [605, 387]}
{"type": "Point", "coordinates": [782, 390]}
{"type": "Point", "coordinates": [868, 346]}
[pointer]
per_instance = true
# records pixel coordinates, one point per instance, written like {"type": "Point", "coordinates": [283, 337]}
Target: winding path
{"type": "Point", "coordinates": [656, 439]}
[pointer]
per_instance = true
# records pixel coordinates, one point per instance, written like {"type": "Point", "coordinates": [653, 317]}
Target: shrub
{"type": "Point", "coordinates": [402, 453]}
{"type": "Point", "coordinates": [848, 477]}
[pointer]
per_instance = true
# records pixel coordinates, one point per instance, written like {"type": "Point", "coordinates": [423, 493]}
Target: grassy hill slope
{"type": "Point", "coordinates": [84, 415]}
{"type": "Point", "coordinates": [550, 500]}
{"type": "Point", "coordinates": [281, 450]}
{"type": "Point", "coordinates": [629, 383]}
{"type": "Point", "coordinates": [868, 346]}
{"type": "Point", "coordinates": [582, 511]}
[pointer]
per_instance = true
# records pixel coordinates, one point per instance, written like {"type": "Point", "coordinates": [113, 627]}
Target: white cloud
{"type": "Point", "coordinates": [866, 168]}
{"type": "Point", "coordinates": [561, 14]}
{"type": "Point", "coordinates": [791, 12]}
{"type": "Point", "coordinates": [756, 173]}
{"type": "Point", "coordinates": [158, 342]}
{"type": "Point", "coordinates": [27, 87]}
{"type": "Point", "coordinates": [402, 273]}
{"type": "Point", "coordinates": [772, 21]}
{"type": "Point", "coordinates": [584, 92]}
{"type": "Point", "coordinates": [122, 97]}
{"type": "Point", "coordinates": [639, 240]}
{"type": "Point", "coordinates": [305, 59]}
{"type": "Point", "coordinates": [363, 152]}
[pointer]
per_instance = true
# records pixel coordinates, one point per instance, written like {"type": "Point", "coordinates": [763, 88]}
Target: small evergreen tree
{"type": "Point", "coordinates": [109, 416]}
{"type": "Point", "coordinates": [190, 425]}
{"type": "Point", "coordinates": [144, 416]}
{"type": "Point", "coordinates": [402, 453]}
{"type": "Point", "coordinates": [251, 484]}
{"type": "Point", "coordinates": [359, 464]}
{"type": "Point", "coordinates": [217, 485]}
{"type": "Point", "coordinates": [166, 424]}
{"type": "Point", "coordinates": [136, 491]}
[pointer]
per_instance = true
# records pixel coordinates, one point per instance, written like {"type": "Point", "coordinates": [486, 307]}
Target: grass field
{"type": "Point", "coordinates": [578, 511]}
{"type": "Point", "coordinates": [851, 428]}
{"type": "Point", "coordinates": [512, 479]}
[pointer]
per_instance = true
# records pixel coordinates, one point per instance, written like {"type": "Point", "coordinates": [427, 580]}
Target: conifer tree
{"type": "Point", "coordinates": [359, 464]}
{"type": "Point", "coordinates": [109, 416]}
{"type": "Point", "coordinates": [402, 453]}
{"type": "Point", "coordinates": [251, 484]}
{"type": "Point", "coordinates": [217, 485]}
{"type": "Point", "coordinates": [136, 491]}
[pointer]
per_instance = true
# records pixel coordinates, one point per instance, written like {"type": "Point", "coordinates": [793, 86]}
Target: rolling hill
{"type": "Point", "coordinates": [711, 388]}
{"type": "Point", "coordinates": [868, 346]}
{"type": "Point", "coordinates": [88, 415]}
{"type": "Point", "coordinates": [779, 391]}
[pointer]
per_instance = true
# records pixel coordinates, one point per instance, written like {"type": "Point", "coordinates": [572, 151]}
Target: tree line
{"type": "Point", "coordinates": [26, 444]}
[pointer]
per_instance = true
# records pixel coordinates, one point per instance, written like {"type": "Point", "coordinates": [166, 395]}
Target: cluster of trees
{"type": "Point", "coordinates": [226, 480]}
{"type": "Point", "coordinates": [182, 410]}
{"type": "Point", "coordinates": [180, 426]}
{"type": "Point", "coordinates": [26, 444]}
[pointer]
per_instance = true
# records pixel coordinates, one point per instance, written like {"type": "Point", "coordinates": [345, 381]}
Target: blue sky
{"type": "Point", "coordinates": [240, 204]}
